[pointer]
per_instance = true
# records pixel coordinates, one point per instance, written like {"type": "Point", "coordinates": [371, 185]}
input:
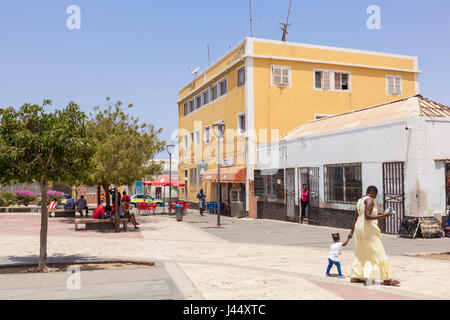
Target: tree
{"type": "Point", "coordinates": [124, 148]}
{"type": "Point", "coordinates": [43, 147]}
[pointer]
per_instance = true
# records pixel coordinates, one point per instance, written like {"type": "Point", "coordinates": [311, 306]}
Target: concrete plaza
{"type": "Point", "coordinates": [243, 259]}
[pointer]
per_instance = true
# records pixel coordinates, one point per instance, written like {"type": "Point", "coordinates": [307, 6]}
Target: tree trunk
{"type": "Point", "coordinates": [116, 206]}
{"type": "Point", "coordinates": [107, 195]}
{"type": "Point", "coordinates": [44, 227]}
{"type": "Point", "coordinates": [98, 193]}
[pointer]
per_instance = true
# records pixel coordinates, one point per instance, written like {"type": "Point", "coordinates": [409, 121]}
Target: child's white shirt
{"type": "Point", "coordinates": [335, 251]}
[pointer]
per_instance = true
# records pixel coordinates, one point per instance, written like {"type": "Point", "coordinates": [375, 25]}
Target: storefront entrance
{"type": "Point", "coordinates": [394, 194]}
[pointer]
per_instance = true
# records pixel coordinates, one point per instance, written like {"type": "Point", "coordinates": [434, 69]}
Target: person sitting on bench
{"type": "Point", "coordinates": [124, 212]}
{"type": "Point", "coordinates": [82, 205]}
{"type": "Point", "coordinates": [99, 212]}
{"type": "Point", "coordinates": [70, 203]}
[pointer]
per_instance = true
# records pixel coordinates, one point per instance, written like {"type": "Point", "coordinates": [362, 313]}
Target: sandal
{"type": "Point", "coordinates": [391, 282]}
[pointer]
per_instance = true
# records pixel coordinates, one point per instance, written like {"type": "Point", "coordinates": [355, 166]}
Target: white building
{"type": "Point", "coordinates": [163, 192]}
{"type": "Point", "coordinates": [402, 147]}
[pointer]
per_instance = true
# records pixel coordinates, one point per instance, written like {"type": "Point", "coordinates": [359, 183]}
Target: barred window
{"type": "Point", "coordinates": [269, 183]}
{"type": "Point", "coordinates": [343, 183]}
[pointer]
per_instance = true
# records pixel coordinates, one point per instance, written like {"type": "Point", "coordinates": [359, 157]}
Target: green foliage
{"type": "Point", "coordinates": [124, 147]}
{"type": "Point", "coordinates": [40, 146]}
{"type": "Point", "coordinates": [7, 199]}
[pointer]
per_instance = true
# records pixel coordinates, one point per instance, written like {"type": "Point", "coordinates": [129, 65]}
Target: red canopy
{"type": "Point", "coordinates": [164, 182]}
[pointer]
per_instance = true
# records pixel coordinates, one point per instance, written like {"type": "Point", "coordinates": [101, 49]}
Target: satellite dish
{"type": "Point", "coordinates": [195, 70]}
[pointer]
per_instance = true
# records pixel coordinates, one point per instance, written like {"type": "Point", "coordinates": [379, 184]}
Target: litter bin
{"type": "Point", "coordinates": [179, 212]}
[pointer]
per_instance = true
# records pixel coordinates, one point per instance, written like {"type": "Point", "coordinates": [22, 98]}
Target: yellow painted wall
{"type": "Point", "coordinates": [299, 52]}
{"type": "Point", "coordinates": [286, 108]}
{"type": "Point", "coordinates": [225, 108]}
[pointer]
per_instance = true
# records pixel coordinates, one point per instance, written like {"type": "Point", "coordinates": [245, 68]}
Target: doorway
{"type": "Point", "coordinates": [447, 186]}
{"type": "Point", "coordinates": [310, 177]}
{"type": "Point", "coordinates": [394, 194]}
{"type": "Point", "coordinates": [290, 193]}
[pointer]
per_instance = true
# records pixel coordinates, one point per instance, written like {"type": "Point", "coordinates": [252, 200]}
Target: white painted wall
{"type": "Point", "coordinates": [372, 146]}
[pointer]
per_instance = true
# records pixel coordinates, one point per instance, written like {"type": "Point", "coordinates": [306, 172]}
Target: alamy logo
{"type": "Point", "coordinates": [74, 280]}
{"type": "Point", "coordinates": [73, 22]}
{"type": "Point", "coordinates": [374, 20]}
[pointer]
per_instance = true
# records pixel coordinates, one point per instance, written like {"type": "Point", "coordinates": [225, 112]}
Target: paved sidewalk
{"type": "Point", "coordinates": [244, 259]}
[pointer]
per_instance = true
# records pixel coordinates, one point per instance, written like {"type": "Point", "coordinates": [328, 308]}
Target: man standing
{"type": "Point", "coordinates": [201, 201]}
{"type": "Point", "coordinates": [82, 205]}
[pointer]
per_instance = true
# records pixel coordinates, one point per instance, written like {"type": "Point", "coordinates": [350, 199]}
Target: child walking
{"type": "Point", "coordinates": [335, 252]}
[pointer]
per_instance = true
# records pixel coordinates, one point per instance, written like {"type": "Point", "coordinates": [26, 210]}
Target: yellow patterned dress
{"type": "Point", "coordinates": [370, 260]}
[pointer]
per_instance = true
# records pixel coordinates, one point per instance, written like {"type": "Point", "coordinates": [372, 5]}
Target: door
{"type": "Point", "coordinates": [394, 194]}
{"type": "Point", "coordinates": [447, 186]}
{"type": "Point", "coordinates": [290, 193]}
{"type": "Point", "coordinates": [310, 177]}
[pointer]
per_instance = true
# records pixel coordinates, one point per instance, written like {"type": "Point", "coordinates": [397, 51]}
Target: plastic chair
{"type": "Point", "coordinates": [143, 206]}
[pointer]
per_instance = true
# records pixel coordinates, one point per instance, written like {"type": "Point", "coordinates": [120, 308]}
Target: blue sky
{"type": "Point", "coordinates": [140, 51]}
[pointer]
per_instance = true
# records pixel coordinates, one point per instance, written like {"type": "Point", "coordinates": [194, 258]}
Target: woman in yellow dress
{"type": "Point", "coordinates": [370, 260]}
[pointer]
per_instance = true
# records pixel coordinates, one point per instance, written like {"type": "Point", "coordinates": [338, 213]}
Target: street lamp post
{"type": "Point", "coordinates": [219, 129]}
{"type": "Point", "coordinates": [170, 148]}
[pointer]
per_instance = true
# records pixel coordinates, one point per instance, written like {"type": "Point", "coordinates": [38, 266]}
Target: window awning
{"type": "Point", "coordinates": [227, 175]}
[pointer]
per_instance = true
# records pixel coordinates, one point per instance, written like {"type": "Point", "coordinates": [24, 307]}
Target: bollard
{"type": "Point", "coordinates": [179, 212]}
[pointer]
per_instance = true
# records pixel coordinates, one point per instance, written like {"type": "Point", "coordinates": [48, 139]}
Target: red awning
{"type": "Point", "coordinates": [164, 182]}
{"type": "Point", "coordinates": [227, 175]}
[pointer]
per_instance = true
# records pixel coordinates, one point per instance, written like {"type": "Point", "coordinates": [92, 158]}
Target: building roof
{"type": "Point", "coordinates": [415, 106]}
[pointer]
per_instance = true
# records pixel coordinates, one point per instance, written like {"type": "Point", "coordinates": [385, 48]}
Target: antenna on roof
{"type": "Point", "coordinates": [209, 45]}
{"type": "Point", "coordinates": [194, 73]}
{"type": "Point", "coordinates": [251, 18]}
{"type": "Point", "coordinates": [284, 26]}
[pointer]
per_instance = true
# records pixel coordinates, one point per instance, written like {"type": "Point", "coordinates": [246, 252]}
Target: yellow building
{"type": "Point", "coordinates": [263, 89]}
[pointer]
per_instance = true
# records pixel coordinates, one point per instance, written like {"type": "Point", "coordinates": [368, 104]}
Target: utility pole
{"type": "Point", "coordinates": [284, 26]}
{"type": "Point", "coordinates": [209, 45]}
{"type": "Point", "coordinates": [251, 18]}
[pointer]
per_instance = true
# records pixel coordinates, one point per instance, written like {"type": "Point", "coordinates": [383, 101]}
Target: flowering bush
{"type": "Point", "coordinates": [7, 199]}
{"type": "Point", "coordinates": [24, 196]}
{"type": "Point", "coordinates": [53, 195]}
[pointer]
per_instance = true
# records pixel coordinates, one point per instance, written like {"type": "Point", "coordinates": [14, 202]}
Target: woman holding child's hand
{"type": "Point", "coordinates": [370, 260]}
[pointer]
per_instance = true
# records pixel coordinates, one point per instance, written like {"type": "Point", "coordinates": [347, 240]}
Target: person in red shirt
{"type": "Point", "coordinates": [126, 197]}
{"type": "Point", "coordinates": [100, 211]}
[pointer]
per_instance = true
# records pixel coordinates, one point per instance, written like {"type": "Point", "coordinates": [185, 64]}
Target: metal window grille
{"type": "Point", "coordinates": [343, 183]}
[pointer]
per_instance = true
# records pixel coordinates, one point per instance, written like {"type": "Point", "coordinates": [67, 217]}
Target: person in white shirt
{"type": "Point", "coordinates": [335, 252]}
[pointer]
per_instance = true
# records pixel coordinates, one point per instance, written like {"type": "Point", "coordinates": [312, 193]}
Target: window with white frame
{"type": "Point", "coordinates": [341, 81]}
{"type": "Point", "coordinates": [281, 76]}
{"type": "Point", "coordinates": [205, 97]}
{"type": "Point", "coordinates": [192, 137]}
{"type": "Point", "coordinates": [331, 80]}
{"type": "Point", "coordinates": [394, 85]}
{"type": "Point", "coordinates": [185, 109]}
{"type": "Point", "coordinates": [185, 141]}
{"type": "Point", "coordinates": [197, 138]}
{"type": "Point", "coordinates": [191, 106]}
{"type": "Point", "coordinates": [214, 92]}
{"type": "Point", "coordinates": [241, 123]}
{"type": "Point", "coordinates": [241, 77]}
{"type": "Point", "coordinates": [223, 87]}
{"type": "Point", "coordinates": [198, 101]}
{"type": "Point", "coordinates": [207, 135]}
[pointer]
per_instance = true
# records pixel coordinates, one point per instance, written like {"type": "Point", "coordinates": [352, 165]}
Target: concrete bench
{"type": "Point", "coordinates": [62, 213]}
{"type": "Point", "coordinates": [100, 224]}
